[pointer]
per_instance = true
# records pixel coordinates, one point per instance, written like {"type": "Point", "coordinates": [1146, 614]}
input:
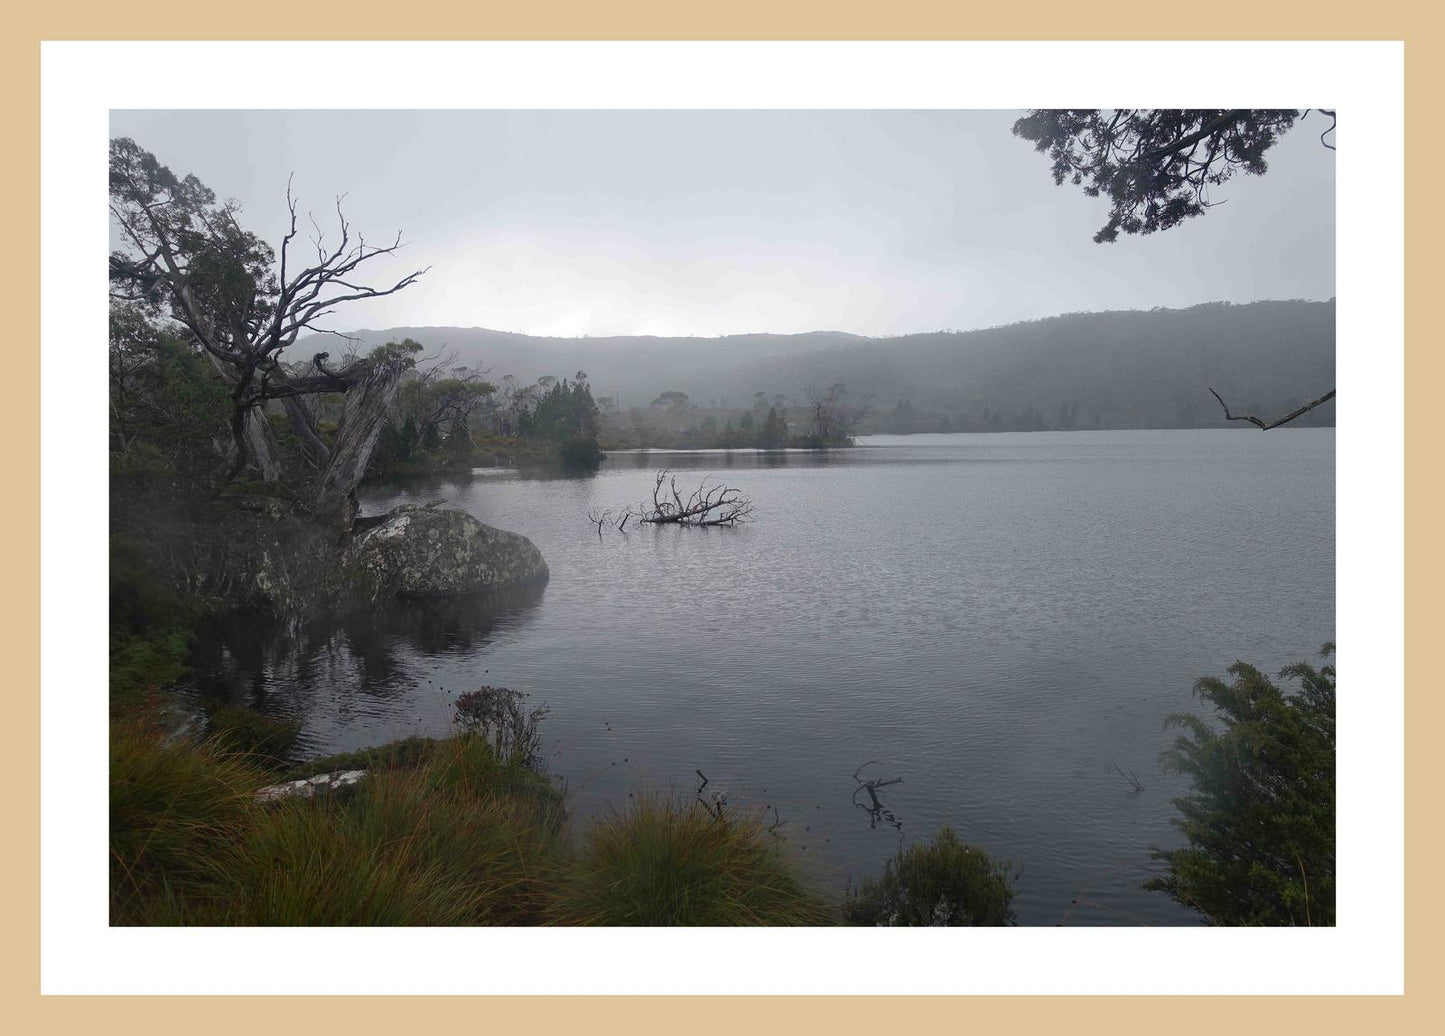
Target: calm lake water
{"type": "Point", "coordinates": [999, 620]}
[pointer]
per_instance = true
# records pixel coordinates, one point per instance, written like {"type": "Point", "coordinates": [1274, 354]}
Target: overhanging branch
{"type": "Point", "coordinates": [1265, 426]}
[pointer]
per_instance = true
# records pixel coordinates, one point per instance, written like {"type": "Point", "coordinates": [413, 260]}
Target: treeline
{"type": "Point", "coordinates": [449, 418]}
{"type": "Point", "coordinates": [904, 418]}
{"type": "Point", "coordinates": [743, 431]}
{"type": "Point", "coordinates": [825, 417]}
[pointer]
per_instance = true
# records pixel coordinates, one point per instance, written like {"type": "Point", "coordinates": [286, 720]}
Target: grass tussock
{"type": "Point", "coordinates": [668, 863]}
{"type": "Point", "coordinates": [172, 807]}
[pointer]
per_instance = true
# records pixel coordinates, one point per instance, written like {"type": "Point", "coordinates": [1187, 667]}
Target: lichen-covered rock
{"type": "Point", "coordinates": [433, 552]}
{"type": "Point", "coordinates": [310, 787]}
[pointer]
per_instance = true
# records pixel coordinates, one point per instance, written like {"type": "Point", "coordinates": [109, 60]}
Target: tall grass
{"type": "Point", "coordinates": [668, 863]}
{"type": "Point", "coordinates": [459, 838]}
{"type": "Point", "coordinates": [441, 833]}
{"type": "Point", "coordinates": [173, 808]}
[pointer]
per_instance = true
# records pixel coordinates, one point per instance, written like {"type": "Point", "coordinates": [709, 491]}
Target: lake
{"type": "Point", "coordinates": [1002, 621]}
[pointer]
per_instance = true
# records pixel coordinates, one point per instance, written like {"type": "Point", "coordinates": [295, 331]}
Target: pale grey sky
{"type": "Point", "coordinates": [721, 222]}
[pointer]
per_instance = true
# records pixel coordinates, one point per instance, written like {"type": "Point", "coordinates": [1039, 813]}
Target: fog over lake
{"type": "Point", "coordinates": [1001, 620]}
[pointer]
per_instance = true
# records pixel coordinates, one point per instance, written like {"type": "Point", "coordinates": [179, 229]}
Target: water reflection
{"type": "Point", "coordinates": [374, 652]}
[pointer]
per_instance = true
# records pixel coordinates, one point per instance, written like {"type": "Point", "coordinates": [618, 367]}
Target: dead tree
{"type": "Point", "coordinates": [187, 257]}
{"type": "Point", "coordinates": [831, 419]}
{"type": "Point", "coordinates": [1265, 426]}
{"type": "Point", "coordinates": [707, 505]}
{"type": "Point", "coordinates": [601, 518]}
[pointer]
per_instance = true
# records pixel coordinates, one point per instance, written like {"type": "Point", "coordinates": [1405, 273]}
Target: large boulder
{"type": "Point", "coordinates": [432, 552]}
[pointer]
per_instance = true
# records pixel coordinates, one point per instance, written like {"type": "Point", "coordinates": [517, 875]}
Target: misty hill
{"type": "Point", "coordinates": [1126, 369]}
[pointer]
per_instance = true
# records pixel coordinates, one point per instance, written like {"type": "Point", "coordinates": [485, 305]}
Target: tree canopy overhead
{"type": "Point", "coordinates": [1156, 165]}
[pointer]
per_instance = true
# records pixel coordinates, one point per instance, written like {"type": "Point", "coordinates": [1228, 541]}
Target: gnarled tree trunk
{"type": "Point", "coordinates": [258, 445]}
{"type": "Point", "coordinates": [303, 423]}
{"type": "Point", "coordinates": [362, 418]}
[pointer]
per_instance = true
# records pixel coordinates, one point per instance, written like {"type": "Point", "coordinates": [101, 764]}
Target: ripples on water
{"type": "Point", "coordinates": [997, 619]}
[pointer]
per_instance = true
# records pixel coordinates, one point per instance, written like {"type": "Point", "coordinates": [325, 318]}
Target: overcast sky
{"type": "Point", "coordinates": [720, 222]}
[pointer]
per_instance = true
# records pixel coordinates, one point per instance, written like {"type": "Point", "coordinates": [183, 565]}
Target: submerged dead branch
{"type": "Point", "coordinates": [1135, 785]}
{"type": "Point", "coordinates": [877, 812]}
{"type": "Point", "coordinates": [599, 519]}
{"type": "Point", "coordinates": [707, 505]}
{"type": "Point", "coordinates": [710, 504]}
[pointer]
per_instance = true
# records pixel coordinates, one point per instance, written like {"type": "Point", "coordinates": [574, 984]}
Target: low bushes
{"type": "Point", "coordinates": [943, 883]}
{"type": "Point", "coordinates": [265, 739]}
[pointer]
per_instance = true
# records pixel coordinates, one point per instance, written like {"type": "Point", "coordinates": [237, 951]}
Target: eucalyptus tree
{"type": "Point", "coordinates": [185, 257]}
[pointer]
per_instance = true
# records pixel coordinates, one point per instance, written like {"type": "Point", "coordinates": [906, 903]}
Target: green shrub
{"type": "Point", "coordinates": [142, 666]}
{"type": "Point", "coordinates": [150, 629]}
{"type": "Point", "coordinates": [266, 740]}
{"type": "Point", "coordinates": [407, 753]}
{"type": "Point", "coordinates": [500, 717]}
{"type": "Point", "coordinates": [943, 883]}
{"type": "Point", "coordinates": [1260, 820]}
{"type": "Point", "coordinates": [665, 863]}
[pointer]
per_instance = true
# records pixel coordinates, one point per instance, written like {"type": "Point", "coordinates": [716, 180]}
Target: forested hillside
{"type": "Point", "coordinates": [1134, 369]}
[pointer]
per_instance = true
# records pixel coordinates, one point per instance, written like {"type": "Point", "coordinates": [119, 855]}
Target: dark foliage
{"type": "Point", "coordinates": [566, 415]}
{"type": "Point", "coordinates": [1260, 821]}
{"type": "Point", "coordinates": [1156, 165]}
{"type": "Point", "coordinates": [943, 883]}
{"type": "Point", "coordinates": [150, 629]}
{"type": "Point", "coordinates": [774, 432]}
{"type": "Point", "coordinates": [264, 740]}
{"type": "Point", "coordinates": [168, 407]}
{"type": "Point", "coordinates": [500, 717]}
